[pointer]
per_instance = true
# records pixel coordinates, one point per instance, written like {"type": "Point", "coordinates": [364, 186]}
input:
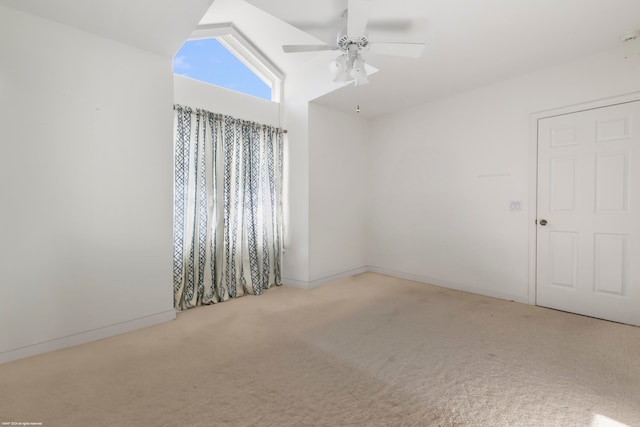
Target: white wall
{"type": "Point", "coordinates": [306, 153]}
{"type": "Point", "coordinates": [296, 192]}
{"type": "Point", "coordinates": [195, 94]}
{"type": "Point", "coordinates": [338, 182]}
{"type": "Point", "coordinates": [86, 184]}
{"type": "Point", "coordinates": [445, 172]}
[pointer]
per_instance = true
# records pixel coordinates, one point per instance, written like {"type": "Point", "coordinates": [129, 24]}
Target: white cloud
{"type": "Point", "coordinates": [180, 63]}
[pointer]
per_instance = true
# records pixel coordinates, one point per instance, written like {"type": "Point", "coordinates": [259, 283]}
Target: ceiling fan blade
{"type": "Point", "coordinates": [295, 48]}
{"type": "Point", "coordinates": [408, 50]}
{"type": "Point", "coordinates": [358, 13]}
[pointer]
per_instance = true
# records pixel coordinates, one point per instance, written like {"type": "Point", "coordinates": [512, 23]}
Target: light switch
{"type": "Point", "coordinates": [515, 206]}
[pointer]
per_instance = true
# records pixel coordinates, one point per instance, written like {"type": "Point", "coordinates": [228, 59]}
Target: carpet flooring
{"type": "Point", "coordinates": [364, 351]}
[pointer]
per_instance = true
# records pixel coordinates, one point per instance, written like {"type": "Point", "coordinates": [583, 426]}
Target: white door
{"type": "Point", "coordinates": [588, 252]}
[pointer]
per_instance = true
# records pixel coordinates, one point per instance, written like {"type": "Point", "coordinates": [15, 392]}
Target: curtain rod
{"type": "Point", "coordinates": [193, 110]}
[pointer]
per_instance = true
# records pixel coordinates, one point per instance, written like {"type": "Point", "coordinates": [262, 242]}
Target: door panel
{"type": "Point", "coordinates": [610, 264]}
{"type": "Point", "coordinates": [563, 184]}
{"type": "Point", "coordinates": [563, 254]}
{"type": "Point", "coordinates": [588, 191]}
{"type": "Point", "coordinates": [612, 185]}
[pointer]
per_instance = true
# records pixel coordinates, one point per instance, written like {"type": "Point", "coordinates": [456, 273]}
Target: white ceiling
{"type": "Point", "coordinates": [159, 26]}
{"type": "Point", "coordinates": [470, 43]}
{"type": "Point", "coordinates": [262, 29]}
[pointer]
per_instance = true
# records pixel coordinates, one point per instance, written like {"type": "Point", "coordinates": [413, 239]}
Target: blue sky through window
{"type": "Point", "coordinates": [208, 61]}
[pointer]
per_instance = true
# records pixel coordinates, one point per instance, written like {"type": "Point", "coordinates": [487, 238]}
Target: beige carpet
{"type": "Point", "coordinates": [365, 351]}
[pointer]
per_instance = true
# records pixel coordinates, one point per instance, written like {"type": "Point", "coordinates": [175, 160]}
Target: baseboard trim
{"type": "Point", "coordinates": [407, 276]}
{"type": "Point", "coordinates": [319, 282]}
{"type": "Point", "coordinates": [447, 284]}
{"type": "Point", "coordinates": [343, 275]}
{"type": "Point", "coordinates": [295, 283]}
{"type": "Point", "coordinates": [87, 336]}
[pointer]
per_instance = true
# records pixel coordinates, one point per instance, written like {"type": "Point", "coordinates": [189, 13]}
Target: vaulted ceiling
{"type": "Point", "coordinates": [159, 26]}
{"type": "Point", "coordinates": [470, 43]}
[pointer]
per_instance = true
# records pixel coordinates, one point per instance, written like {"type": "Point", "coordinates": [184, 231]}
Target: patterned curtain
{"type": "Point", "coordinates": [227, 207]}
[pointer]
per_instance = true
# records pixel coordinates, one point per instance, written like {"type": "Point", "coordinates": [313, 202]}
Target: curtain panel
{"type": "Point", "coordinates": [227, 207]}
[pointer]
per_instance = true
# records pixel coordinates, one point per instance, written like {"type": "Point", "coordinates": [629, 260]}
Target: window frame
{"type": "Point", "coordinates": [246, 52]}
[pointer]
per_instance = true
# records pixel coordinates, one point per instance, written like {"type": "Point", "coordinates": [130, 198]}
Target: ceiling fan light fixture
{"type": "Point", "coordinates": [358, 66]}
{"type": "Point", "coordinates": [342, 77]}
{"type": "Point", "coordinates": [348, 67]}
{"type": "Point", "coordinates": [335, 67]}
{"type": "Point", "coordinates": [340, 67]}
{"type": "Point", "coordinates": [358, 71]}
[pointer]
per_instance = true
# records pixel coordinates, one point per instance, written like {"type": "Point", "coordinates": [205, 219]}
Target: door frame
{"type": "Point", "coordinates": [533, 170]}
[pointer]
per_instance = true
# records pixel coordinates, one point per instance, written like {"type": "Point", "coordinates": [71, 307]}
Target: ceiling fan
{"type": "Point", "coordinates": [353, 41]}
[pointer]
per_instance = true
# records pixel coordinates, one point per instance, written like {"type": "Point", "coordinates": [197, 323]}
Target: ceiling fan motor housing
{"type": "Point", "coordinates": [363, 42]}
{"type": "Point", "coordinates": [344, 41]}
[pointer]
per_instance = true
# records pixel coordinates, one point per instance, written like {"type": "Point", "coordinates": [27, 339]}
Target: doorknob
{"type": "Point", "coordinates": [543, 222]}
